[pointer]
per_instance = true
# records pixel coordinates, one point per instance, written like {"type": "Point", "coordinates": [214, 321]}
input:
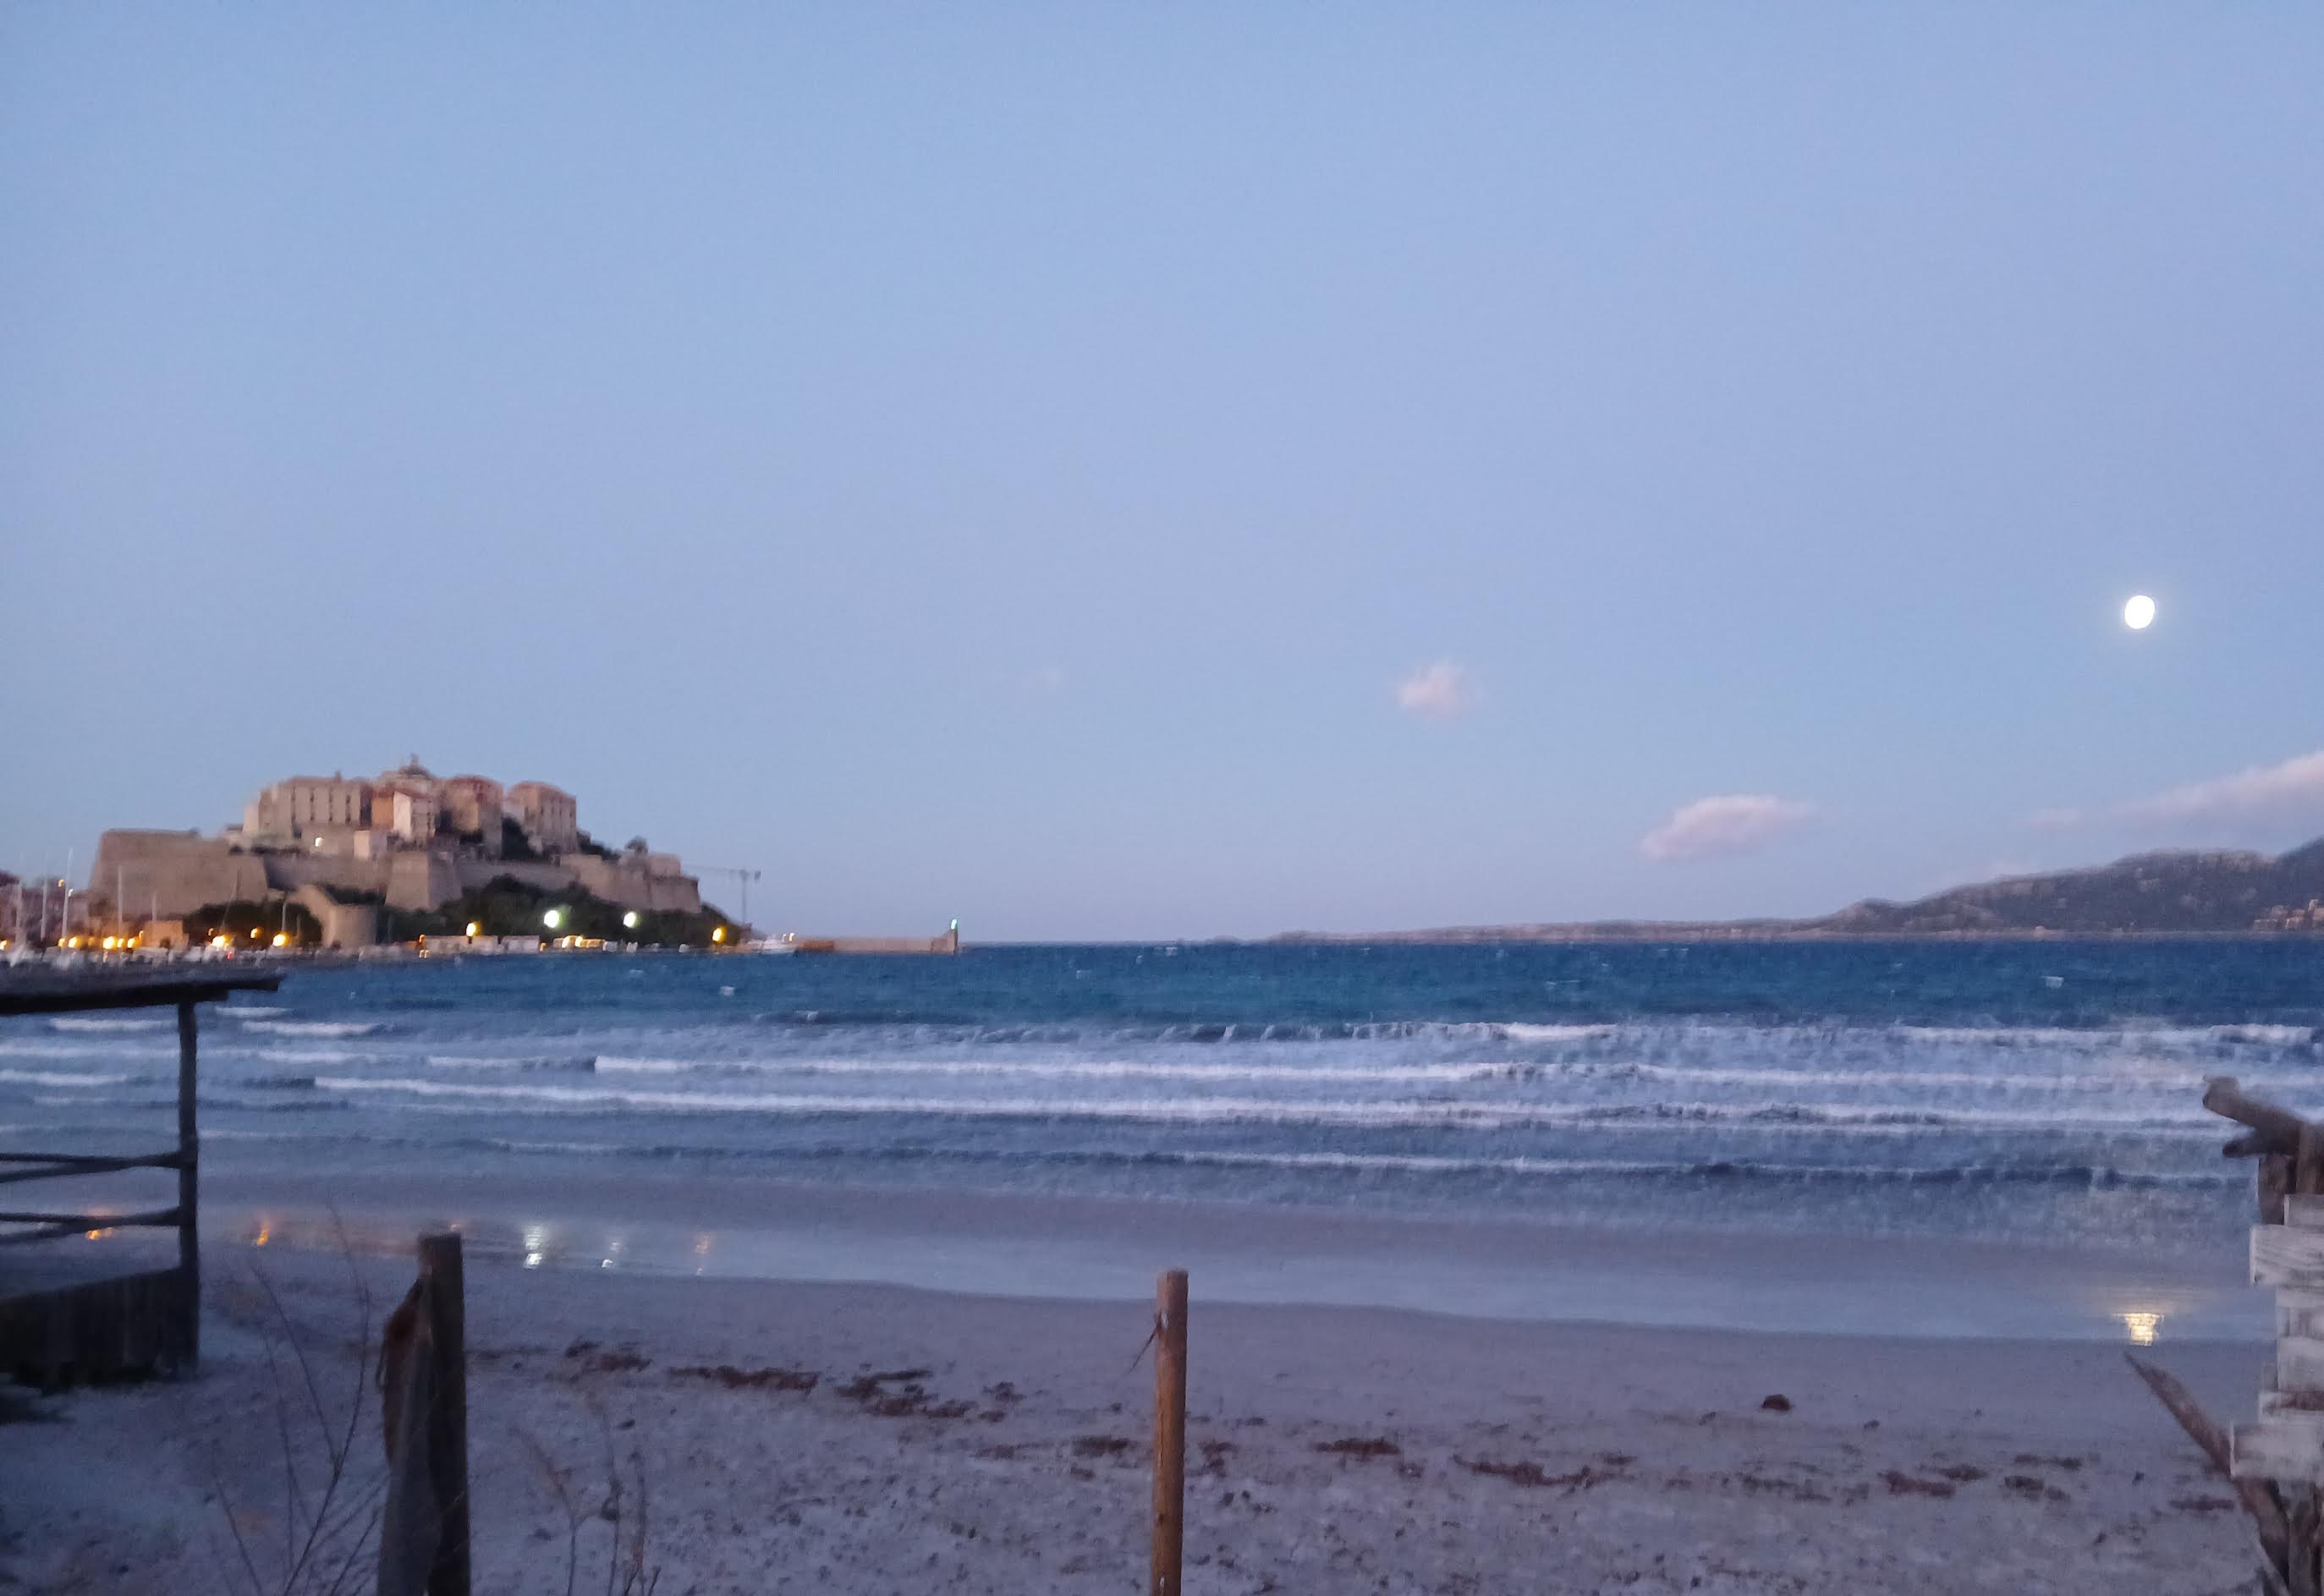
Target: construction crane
{"type": "Point", "coordinates": [744, 876]}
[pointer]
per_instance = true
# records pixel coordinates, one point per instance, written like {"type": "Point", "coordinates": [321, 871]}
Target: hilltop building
{"type": "Point", "coordinates": [551, 818]}
{"type": "Point", "coordinates": [407, 840]}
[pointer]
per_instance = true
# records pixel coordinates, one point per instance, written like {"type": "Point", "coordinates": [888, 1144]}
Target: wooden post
{"type": "Point", "coordinates": [1170, 1433]}
{"type": "Point", "coordinates": [190, 1183]}
{"type": "Point", "coordinates": [447, 1421]}
{"type": "Point", "coordinates": [2273, 1181]}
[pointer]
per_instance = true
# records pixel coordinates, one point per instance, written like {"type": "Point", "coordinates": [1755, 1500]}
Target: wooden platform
{"type": "Point", "coordinates": [67, 1317]}
{"type": "Point", "coordinates": [118, 1326]}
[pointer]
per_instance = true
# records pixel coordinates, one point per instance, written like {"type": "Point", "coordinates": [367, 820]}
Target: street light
{"type": "Point", "coordinates": [630, 920]}
{"type": "Point", "coordinates": [553, 919]}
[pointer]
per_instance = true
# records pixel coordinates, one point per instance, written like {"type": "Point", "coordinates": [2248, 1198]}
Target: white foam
{"type": "Point", "coordinates": [313, 1027]}
{"type": "Point", "coordinates": [2279, 1036]}
{"type": "Point", "coordinates": [499, 1061]}
{"type": "Point", "coordinates": [1229, 1110]}
{"type": "Point", "coordinates": [1072, 1070]}
{"type": "Point", "coordinates": [1519, 1032]}
{"type": "Point", "coordinates": [82, 1050]}
{"type": "Point", "coordinates": [309, 1056]}
{"type": "Point", "coordinates": [90, 1022]}
{"type": "Point", "coordinates": [58, 1077]}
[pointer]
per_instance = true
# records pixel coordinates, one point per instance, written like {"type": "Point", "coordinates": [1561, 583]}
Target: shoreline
{"type": "Point", "coordinates": [1109, 1249]}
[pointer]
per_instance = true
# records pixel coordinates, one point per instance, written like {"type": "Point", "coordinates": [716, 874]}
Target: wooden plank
{"type": "Point", "coordinates": [2300, 1312]}
{"type": "Point", "coordinates": [2288, 1255]}
{"type": "Point", "coordinates": [2258, 1499]}
{"type": "Point", "coordinates": [100, 1329]}
{"type": "Point", "coordinates": [447, 1421]}
{"type": "Point", "coordinates": [2272, 1180]}
{"type": "Point", "coordinates": [51, 995]}
{"type": "Point", "coordinates": [2304, 1210]}
{"type": "Point", "coordinates": [2299, 1364]}
{"type": "Point", "coordinates": [2288, 1447]}
{"type": "Point", "coordinates": [94, 1221]}
{"type": "Point", "coordinates": [2278, 1129]}
{"type": "Point", "coordinates": [60, 1167]}
{"type": "Point", "coordinates": [190, 1235]}
{"type": "Point", "coordinates": [2273, 1402]}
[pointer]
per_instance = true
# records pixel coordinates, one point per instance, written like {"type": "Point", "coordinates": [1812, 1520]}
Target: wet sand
{"type": "Point", "coordinates": [1109, 1249]}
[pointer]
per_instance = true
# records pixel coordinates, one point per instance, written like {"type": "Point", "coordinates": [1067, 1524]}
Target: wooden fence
{"type": "Point", "coordinates": [423, 1547]}
{"type": "Point", "coordinates": [2277, 1463]}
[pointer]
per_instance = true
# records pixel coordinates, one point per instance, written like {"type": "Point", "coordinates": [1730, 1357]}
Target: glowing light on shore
{"type": "Point", "coordinates": [631, 920]}
{"type": "Point", "coordinates": [2139, 614]}
{"type": "Point", "coordinates": [553, 919]}
{"type": "Point", "coordinates": [2141, 1327]}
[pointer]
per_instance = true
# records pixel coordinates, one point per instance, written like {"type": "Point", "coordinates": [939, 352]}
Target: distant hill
{"type": "Point", "coordinates": [2180, 893]}
{"type": "Point", "coordinates": [2147, 892]}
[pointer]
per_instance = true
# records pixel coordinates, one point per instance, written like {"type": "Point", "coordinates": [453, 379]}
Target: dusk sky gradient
{"type": "Point", "coordinates": [1109, 471]}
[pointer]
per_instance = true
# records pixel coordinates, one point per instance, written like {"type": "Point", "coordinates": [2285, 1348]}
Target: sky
{"type": "Point", "coordinates": [1109, 471]}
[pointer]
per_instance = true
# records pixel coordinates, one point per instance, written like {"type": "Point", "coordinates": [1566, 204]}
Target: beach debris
{"type": "Point", "coordinates": [750, 1380]}
{"type": "Point", "coordinates": [1900, 1483]}
{"type": "Point", "coordinates": [1778, 1403]}
{"type": "Point", "coordinates": [893, 1376]}
{"type": "Point", "coordinates": [622, 1360]}
{"type": "Point", "coordinates": [1100, 1446]}
{"type": "Point", "coordinates": [1533, 1476]}
{"type": "Point", "coordinates": [1361, 1447]}
{"type": "Point", "coordinates": [2035, 1459]}
{"type": "Point", "coordinates": [912, 1401]}
{"type": "Point", "coordinates": [1963, 1474]}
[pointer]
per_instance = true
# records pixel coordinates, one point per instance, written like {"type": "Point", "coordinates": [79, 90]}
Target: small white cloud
{"type": "Point", "coordinates": [1441, 692]}
{"type": "Point", "coordinates": [1725, 823]}
{"type": "Point", "coordinates": [2290, 790]}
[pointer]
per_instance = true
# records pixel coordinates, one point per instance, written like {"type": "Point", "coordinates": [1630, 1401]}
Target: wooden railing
{"type": "Point", "coordinates": [43, 1225]}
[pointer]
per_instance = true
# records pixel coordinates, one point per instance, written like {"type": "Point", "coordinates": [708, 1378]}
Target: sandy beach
{"type": "Point", "coordinates": [780, 1435]}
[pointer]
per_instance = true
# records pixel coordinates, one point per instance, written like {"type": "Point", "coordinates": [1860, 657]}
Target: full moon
{"type": "Point", "coordinates": [2139, 614]}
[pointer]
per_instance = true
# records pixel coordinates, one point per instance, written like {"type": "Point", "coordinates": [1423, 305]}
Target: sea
{"type": "Point", "coordinates": [2025, 1091]}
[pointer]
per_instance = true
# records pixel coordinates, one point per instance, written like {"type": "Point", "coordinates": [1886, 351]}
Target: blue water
{"type": "Point", "coordinates": [2022, 1090]}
